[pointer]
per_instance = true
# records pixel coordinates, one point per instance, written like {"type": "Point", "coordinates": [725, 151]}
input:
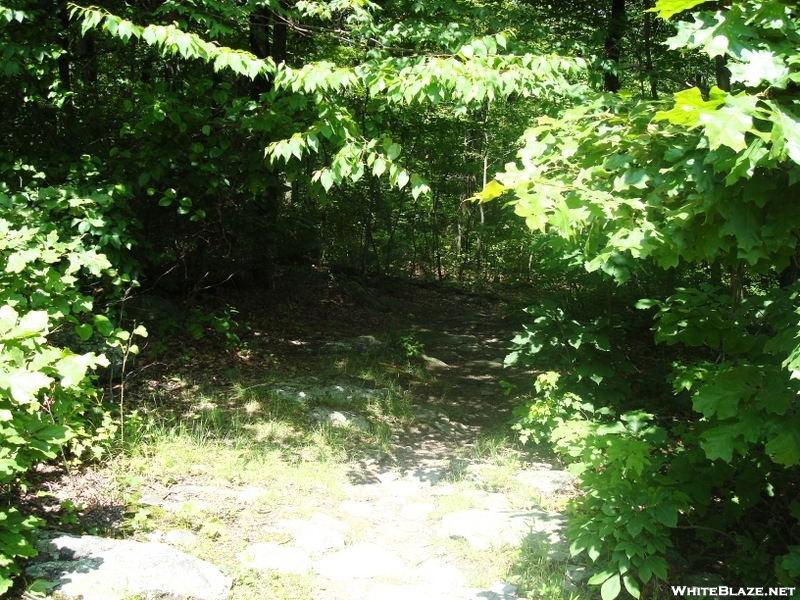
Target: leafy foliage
{"type": "Point", "coordinates": [709, 181]}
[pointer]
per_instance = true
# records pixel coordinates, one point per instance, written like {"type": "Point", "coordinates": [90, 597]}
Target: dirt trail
{"type": "Point", "coordinates": [420, 522]}
{"type": "Point", "coordinates": [399, 500]}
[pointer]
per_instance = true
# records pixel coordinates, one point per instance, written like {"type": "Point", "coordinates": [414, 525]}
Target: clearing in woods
{"type": "Point", "coordinates": [344, 427]}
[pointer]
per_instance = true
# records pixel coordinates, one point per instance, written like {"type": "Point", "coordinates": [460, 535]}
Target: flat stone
{"type": "Point", "coordinates": [314, 538]}
{"type": "Point", "coordinates": [388, 591]}
{"type": "Point", "coordinates": [180, 537]}
{"type": "Point", "coordinates": [105, 569]}
{"type": "Point", "coordinates": [274, 557]}
{"type": "Point", "coordinates": [402, 488]}
{"type": "Point", "coordinates": [356, 509]}
{"type": "Point", "coordinates": [423, 476]}
{"type": "Point", "coordinates": [329, 522]}
{"type": "Point", "coordinates": [417, 511]}
{"type": "Point", "coordinates": [487, 528]}
{"type": "Point", "coordinates": [362, 561]}
{"type": "Point", "coordinates": [440, 575]}
{"type": "Point", "coordinates": [546, 482]}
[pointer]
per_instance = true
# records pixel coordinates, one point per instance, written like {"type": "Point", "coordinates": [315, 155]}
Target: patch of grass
{"type": "Point", "coordinates": [261, 585]}
{"type": "Point", "coordinates": [536, 576]}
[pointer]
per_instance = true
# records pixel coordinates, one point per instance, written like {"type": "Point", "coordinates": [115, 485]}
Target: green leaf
{"type": "Point", "coordinates": [103, 325]}
{"type": "Point", "coordinates": [24, 385]}
{"type": "Point", "coordinates": [402, 179]}
{"type": "Point", "coordinates": [393, 151]}
{"type": "Point", "coordinates": [728, 125]}
{"type": "Point", "coordinates": [784, 445]}
{"type": "Point", "coordinates": [631, 585]}
{"type": "Point", "coordinates": [722, 395]}
{"type": "Point", "coordinates": [326, 179]}
{"type": "Point", "coordinates": [611, 588]}
{"type": "Point", "coordinates": [84, 331]}
{"type": "Point", "coordinates": [669, 8]}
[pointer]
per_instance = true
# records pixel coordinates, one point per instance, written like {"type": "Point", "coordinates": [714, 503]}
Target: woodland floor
{"type": "Point", "coordinates": [207, 435]}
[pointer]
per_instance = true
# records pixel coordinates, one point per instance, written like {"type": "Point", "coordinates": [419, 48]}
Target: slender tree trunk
{"type": "Point", "coordinates": [279, 35]}
{"type": "Point", "coordinates": [436, 250]}
{"type": "Point", "coordinates": [648, 50]}
{"type": "Point", "coordinates": [616, 31]}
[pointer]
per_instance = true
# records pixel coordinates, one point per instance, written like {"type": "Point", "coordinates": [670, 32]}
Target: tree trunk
{"type": "Point", "coordinates": [648, 50]}
{"type": "Point", "coordinates": [616, 30]}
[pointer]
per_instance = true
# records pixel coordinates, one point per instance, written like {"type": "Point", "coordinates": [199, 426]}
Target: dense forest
{"type": "Point", "coordinates": [632, 161]}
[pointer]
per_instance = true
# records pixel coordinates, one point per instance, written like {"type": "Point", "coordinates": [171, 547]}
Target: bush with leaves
{"type": "Point", "coordinates": [47, 399]}
{"type": "Point", "coordinates": [709, 179]}
{"type": "Point", "coordinates": [630, 503]}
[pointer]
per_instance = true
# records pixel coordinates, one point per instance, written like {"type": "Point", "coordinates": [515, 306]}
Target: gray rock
{"type": "Point", "coordinates": [487, 528]}
{"type": "Point", "coordinates": [316, 536]}
{"type": "Point", "coordinates": [105, 569]}
{"type": "Point", "coordinates": [180, 537]}
{"type": "Point", "coordinates": [356, 508]}
{"type": "Point", "coordinates": [501, 587]}
{"type": "Point", "coordinates": [434, 363]}
{"type": "Point", "coordinates": [429, 476]}
{"type": "Point", "coordinates": [547, 482]}
{"type": "Point", "coordinates": [362, 561]}
{"type": "Point", "coordinates": [336, 418]}
{"type": "Point", "coordinates": [274, 557]}
{"type": "Point", "coordinates": [388, 591]}
{"type": "Point", "coordinates": [417, 511]}
{"type": "Point", "coordinates": [440, 575]}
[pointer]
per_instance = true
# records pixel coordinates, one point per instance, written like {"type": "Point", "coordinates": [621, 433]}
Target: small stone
{"type": "Point", "coordinates": [362, 561]}
{"type": "Point", "coordinates": [154, 536]}
{"type": "Point", "coordinates": [417, 511]}
{"type": "Point", "coordinates": [338, 418]}
{"type": "Point", "coordinates": [274, 557]}
{"type": "Point", "coordinates": [180, 537]}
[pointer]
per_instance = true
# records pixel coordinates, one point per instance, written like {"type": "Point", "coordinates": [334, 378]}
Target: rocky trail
{"type": "Point", "coordinates": [431, 518]}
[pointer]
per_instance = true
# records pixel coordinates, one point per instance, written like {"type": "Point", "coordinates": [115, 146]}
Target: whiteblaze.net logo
{"type": "Point", "coordinates": [724, 590]}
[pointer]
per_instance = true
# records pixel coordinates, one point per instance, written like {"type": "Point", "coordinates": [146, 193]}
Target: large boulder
{"type": "Point", "coordinates": [96, 568]}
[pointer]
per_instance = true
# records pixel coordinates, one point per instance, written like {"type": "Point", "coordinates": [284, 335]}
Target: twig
{"type": "Point", "coordinates": [727, 535]}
